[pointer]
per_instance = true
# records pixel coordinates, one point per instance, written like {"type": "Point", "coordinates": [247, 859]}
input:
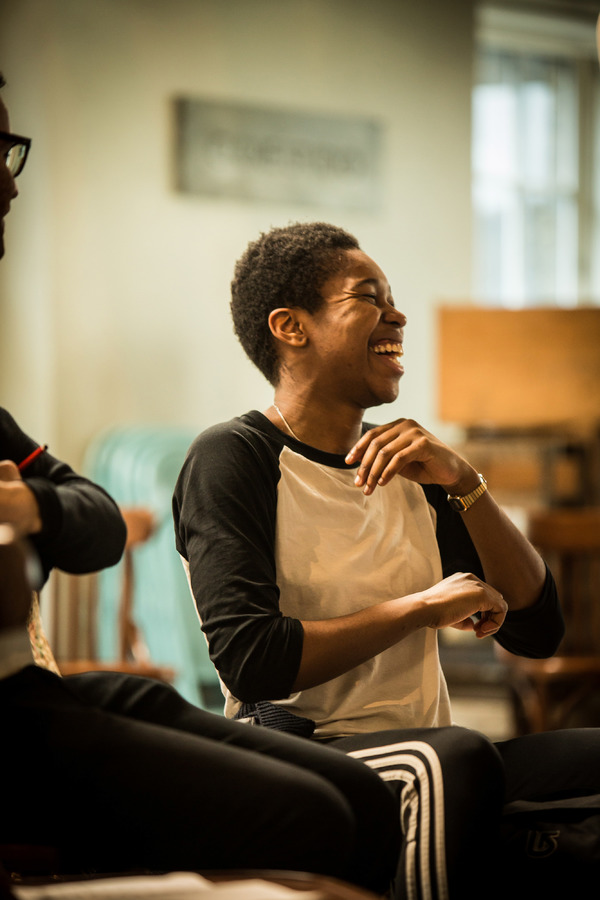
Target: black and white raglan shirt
{"type": "Point", "coordinates": [272, 531]}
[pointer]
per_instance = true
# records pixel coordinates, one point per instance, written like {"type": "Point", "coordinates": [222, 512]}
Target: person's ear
{"type": "Point", "coordinates": [286, 325]}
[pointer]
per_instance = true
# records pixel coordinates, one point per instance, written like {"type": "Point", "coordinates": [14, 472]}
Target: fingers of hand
{"type": "Point", "coordinates": [492, 618]}
{"type": "Point", "coordinates": [357, 452]}
{"type": "Point", "coordinates": [19, 506]}
{"type": "Point", "coordinates": [8, 534]}
{"type": "Point", "coordinates": [9, 471]}
{"type": "Point", "coordinates": [385, 464]}
{"type": "Point", "coordinates": [488, 624]}
{"type": "Point", "coordinates": [383, 452]}
{"type": "Point", "coordinates": [464, 596]}
{"type": "Point", "coordinates": [464, 625]}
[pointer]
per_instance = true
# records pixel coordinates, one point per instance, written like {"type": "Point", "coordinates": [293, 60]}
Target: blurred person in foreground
{"type": "Point", "coordinates": [119, 772]}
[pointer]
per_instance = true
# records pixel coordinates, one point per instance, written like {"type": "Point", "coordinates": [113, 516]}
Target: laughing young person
{"type": "Point", "coordinates": [125, 772]}
{"type": "Point", "coordinates": [324, 555]}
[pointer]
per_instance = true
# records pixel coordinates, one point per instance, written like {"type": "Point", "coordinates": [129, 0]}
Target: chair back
{"type": "Point", "coordinates": [138, 465]}
{"type": "Point", "coordinates": [569, 541]}
{"type": "Point", "coordinates": [75, 611]}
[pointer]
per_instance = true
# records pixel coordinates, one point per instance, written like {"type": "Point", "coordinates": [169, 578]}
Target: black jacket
{"type": "Point", "coordinates": [82, 528]}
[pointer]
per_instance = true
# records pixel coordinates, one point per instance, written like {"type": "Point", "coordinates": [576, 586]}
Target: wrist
{"type": "Point", "coordinates": [467, 482]}
{"type": "Point", "coordinates": [416, 610]}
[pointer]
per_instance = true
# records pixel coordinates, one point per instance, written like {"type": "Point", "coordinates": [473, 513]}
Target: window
{"type": "Point", "coordinates": [535, 201]}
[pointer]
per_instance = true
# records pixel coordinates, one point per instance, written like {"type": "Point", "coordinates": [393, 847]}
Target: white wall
{"type": "Point", "coordinates": [114, 291]}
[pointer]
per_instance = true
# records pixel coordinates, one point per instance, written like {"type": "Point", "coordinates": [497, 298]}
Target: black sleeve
{"type": "Point", "coordinates": [536, 631]}
{"type": "Point", "coordinates": [224, 508]}
{"type": "Point", "coordinates": [82, 528]}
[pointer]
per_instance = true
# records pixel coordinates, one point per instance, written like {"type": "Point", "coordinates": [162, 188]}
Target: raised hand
{"type": "Point", "coordinates": [452, 602]}
{"type": "Point", "coordinates": [405, 448]}
{"type": "Point", "coordinates": [18, 506]}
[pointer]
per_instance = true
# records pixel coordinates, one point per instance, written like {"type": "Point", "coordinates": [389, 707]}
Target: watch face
{"type": "Point", "coordinates": [462, 504]}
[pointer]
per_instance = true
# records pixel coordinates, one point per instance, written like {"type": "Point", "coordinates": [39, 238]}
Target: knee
{"type": "Point", "coordinates": [120, 692]}
{"type": "Point", "coordinates": [324, 808]}
{"type": "Point", "coordinates": [318, 827]}
{"type": "Point", "coordinates": [474, 746]}
{"type": "Point", "coordinates": [476, 757]}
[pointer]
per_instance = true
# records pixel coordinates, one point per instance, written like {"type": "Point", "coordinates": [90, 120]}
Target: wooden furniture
{"type": "Point", "coordinates": [524, 384]}
{"type": "Point", "coordinates": [561, 691]}
{"type": "Point", "coordinates": [518, 368]}
{"type": "Point", "coordinates": [74, 599]}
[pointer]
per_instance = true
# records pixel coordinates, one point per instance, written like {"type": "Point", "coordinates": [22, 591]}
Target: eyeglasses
{"type": "Point", "coordinates": [16, 155]}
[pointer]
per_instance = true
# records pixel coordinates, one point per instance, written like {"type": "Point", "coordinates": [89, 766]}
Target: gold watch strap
{"type": "Point", "coordinates": [462, 504]}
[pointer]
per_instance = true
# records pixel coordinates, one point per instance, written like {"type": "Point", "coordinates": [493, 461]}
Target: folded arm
{"type": "Point", "coordinates": [225, 509]}
{"type": "Point", "coordinates": [404, 448]}
{"type": "Point", "coordinates": [73, 523]}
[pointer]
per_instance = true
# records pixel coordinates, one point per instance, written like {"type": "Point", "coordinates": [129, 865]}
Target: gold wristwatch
{"type": "Point", "coordinates": [462, 504]}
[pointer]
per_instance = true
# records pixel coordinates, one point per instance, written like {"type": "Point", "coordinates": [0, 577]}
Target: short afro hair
{"type": "Point", "coordinates": [284, 267]}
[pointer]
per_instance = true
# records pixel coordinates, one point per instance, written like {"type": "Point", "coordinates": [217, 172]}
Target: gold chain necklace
{"type": "Point", "coordinates": [285, 422]}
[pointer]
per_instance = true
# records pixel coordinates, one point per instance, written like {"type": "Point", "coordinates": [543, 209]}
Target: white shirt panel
{"type": "Point", "coordinates": [338, 551]}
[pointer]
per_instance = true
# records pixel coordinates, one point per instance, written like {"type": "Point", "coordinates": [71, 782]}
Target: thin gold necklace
{"type": "Point", "coordinates": [285, 422]}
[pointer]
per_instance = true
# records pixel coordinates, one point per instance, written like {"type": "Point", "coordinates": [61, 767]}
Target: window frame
{"type": "Point", "coordinates": [573, 40]}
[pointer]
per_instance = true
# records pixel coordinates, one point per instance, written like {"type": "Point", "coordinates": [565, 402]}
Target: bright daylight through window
{"type": "Point", "coordinates": [535, 162]}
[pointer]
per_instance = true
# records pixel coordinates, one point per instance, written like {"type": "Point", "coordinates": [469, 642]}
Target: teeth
{"type": "Point", "coordinates": [389, 348]}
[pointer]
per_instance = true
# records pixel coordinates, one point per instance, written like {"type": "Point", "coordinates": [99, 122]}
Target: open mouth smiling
{"type": "Point", "coordinates": [391, 349]}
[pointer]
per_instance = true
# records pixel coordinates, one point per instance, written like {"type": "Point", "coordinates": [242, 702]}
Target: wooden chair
{"type": "Point", "coordinates": [559, 692]}
{"type": "Point", "coordinates": [75, 610]}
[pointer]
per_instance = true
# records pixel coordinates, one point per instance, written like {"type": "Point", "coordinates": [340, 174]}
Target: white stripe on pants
{"type": "Point", "coordinates": [416, 765]}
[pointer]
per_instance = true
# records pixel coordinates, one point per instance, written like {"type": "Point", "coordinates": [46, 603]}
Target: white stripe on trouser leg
{"type": "Point", "coordinates": [429, 795]}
